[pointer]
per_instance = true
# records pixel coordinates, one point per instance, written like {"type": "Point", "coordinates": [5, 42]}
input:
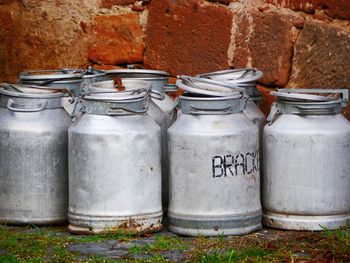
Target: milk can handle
{"type": "Point", "coordinates": [344, 93]}
{"type": "Point", "coordinates": [155, 94]}
{"type": "Point", "coordinates": [274, 113]}
{"type": "Point", "coordinates": [11, 106]}
{"type": "Point", "coordinates": [116, 110]}
{"type": "Point", "coordinates": [197, 111]}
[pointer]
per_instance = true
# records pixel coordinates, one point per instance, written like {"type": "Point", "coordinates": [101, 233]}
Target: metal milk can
{"type": "Point", "coordinates": [243, 78]}
{"type": "Point", "coordinates": [60, 78]}
{"type": "Point", "coordinates": [114, 165]}
{"type": "Point", "coordinates": [33, 155]}
{"type": "Point", "coordinates": [158, 80]}
{"type": "Point", "coordinates": [306, 182]}
{"type": "Point", "coordinates": [89, 76]}
{"type": "Point", "coordinates": [154, 111]}
{"type": "Point", "coordinates": [214, 164]}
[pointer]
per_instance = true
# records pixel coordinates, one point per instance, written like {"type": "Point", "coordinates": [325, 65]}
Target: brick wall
{"type": "Point", "coordinates": [296, 43]}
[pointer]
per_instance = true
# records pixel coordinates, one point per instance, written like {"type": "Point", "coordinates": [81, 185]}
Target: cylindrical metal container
{"type": "Point", "coordinates": [89, 76]}
{"type": "Point", "coordinates": [158, 80]}
{"type": "Point", "coordinates": [306, 179]}
{"type": "Point", "coordinates": [114, 166]}
{"type": "Point", "coordinates": [159, 116]}
{"type": "Point", "coordinates": [33, 155]}
{"type": "Point", "coordinates": [214, 167]}
{"type": "Point", "coordinates": [243, 78]}
{"type": "Point", "coordinates": [60, 78]}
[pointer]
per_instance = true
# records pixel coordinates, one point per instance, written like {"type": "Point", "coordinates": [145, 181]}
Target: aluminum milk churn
{"type": "Point", "coordinates": [306, 179]}
{"type": "Point", "coordinates": [33, 155]}
{"type": "Point", "coordinates": [158, 80]}
{"type": "Point", "coordinates": [60, 78]}
{"type": "Point", "coordinates": [154, 111]}
{"type": "Point", "coordinates": [214, 164]}
{"type": "Point", "coordinates": [243, 78]}
{"type": "Point", "coordinates": [89, 76]}
{"type": "Point", "coordinates": [114, 165]}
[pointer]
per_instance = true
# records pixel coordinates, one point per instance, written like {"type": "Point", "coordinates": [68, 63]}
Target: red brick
{"type": "Point", "coordinates": [333, 8]}
{"type": "Point", "coordinates": [266, 100]}
{"type": "Point", "coordinates": [116, 39]}
{"type": "Point", "coordinates": [9, 46]}
{"type": "Point", "coordinates": [6, 2]}
{"type": "Point", "coordinates": [321, 58]}
{"type": "Point", "coordinates": [187, 37]}
{"type": "Point", "coordinates": [110, 3]}
{"type": "Point", "coordinates": [265, 41]}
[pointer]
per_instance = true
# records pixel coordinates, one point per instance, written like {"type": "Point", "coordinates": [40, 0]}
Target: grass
{"type": "Point", "coordinates": [50, 244]}
{"type": "Point", "coordinates": [33, 244]}
{"type": "Point", "coordinates": [161, 244]}
{"type": "Point", "coordinates": [340, 243]}
{"type": "Point", "coordinates": [256, 255]}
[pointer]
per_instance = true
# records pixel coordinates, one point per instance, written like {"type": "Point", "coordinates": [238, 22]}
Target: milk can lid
{"type": "Point", "coordinates": [243, 75]}
{"type": "Point", "coordinates": [301, 97]}
{"type": "Point", "coordinates": [121, 96]}
{"type": "Point", "coordinates": [90, 72]}
{"type": "Point", "coordinates": [31, 91]}
{"type": "Point", "coordinates": [208, 87]}
{"type": "Point", "coordinates": [137, 73]}
{"type": "Point", "coordinates": [57, 74]}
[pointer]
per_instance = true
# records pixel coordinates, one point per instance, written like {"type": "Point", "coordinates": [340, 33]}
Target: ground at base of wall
{"type": "Point", "coordinates": [55, 244]}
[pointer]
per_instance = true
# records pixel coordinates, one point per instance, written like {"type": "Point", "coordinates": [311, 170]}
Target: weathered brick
{"type": "Point", "coordinates": [6, 2]}
{"type": "Point", "coordinates": [266, 100]}
{"type": "Point", "coordinates": [9, 46]}
{"type": "Point", "coordinates": [59, 40]}
{"type": "Point", "coordinates": [265, 41]}
{"type": "Point", "coordinates": [322, 58]}
{"type": "Point", "coordinates": [110, 3]}
{"type": "Point", "coordinates": [187, 36]}
{"type": "Point", "coordinates": [336, 8]}
{"type": "Point", "coordinates": [116, 39]}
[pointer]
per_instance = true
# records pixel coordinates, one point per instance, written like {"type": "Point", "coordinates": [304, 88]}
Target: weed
{"type": "Point", "coordinates": [340, 234]}
{"type": "Point", "coordinates": [161, 244]}
{"type": "Point", "coordinates": [8, 259]}
{"type": "Point", "coordinates": [235, 256]}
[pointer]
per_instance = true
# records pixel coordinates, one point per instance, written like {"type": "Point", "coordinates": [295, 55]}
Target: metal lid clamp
{"type": "Point", "coordinates": [343, 93]}
{"type": "Point", "coordinates": [209, 87]}
{"type": "Point", "coordinates": [299, 102]}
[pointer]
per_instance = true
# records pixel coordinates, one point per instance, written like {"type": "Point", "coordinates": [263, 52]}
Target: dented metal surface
{"type": "Point", "coordinates": [243, 78]}
{"type": "Point", "coordinates": [114, 167]}
{"type": "Point", "coordinates": [306, 179]}
{"type": "Point", "coordinates": [33, 156]}
{"type": "Point", "coordinates": [214, 168]}
{"type": "Point", "coordinates": [163, 119]}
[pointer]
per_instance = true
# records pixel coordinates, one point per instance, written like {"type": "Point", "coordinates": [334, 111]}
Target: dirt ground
{"type": "Point", "coordinates": [55, 244]}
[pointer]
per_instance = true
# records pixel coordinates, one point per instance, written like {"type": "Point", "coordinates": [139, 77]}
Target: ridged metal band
{"type": "Point", "coordinates": [212, 105]}
{"type": "Point", "coordinates": [237, 224]}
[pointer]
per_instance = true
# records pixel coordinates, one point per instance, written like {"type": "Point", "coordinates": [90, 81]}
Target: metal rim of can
{"type": "Point", "coordinates": [128, 84]}
{"type": "Point", "coordinates": [301, 97]}
{"type": "Point", "coordinates": [139, 73]}
{"type": "Point", "coordinates": [116, 103]}
{"type": "Point", "coordinates": [230, 75]}
{"type": "Point", "coordinates": [121, 96]}
{"type": "Point", "coordinates": [22, 91]}
{"type": "Point", "coordinates": [207, 87]}
{"type": "Point", "coordinates": [210, 105]}
{"type": "Point", "coordinates": [42, 75]}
